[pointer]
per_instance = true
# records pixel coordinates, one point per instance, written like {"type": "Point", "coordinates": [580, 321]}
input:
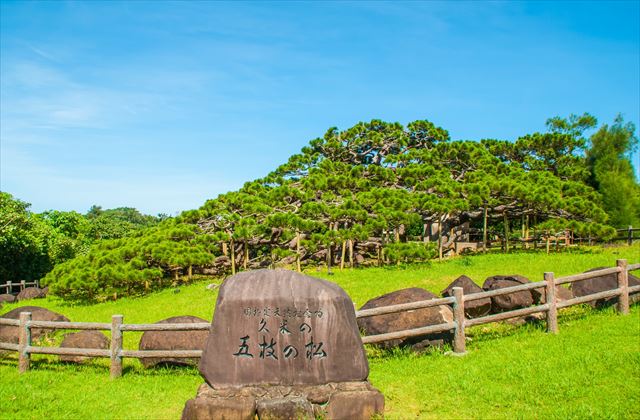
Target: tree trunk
{"type": "Point", "coordinates": [484, 230]}
{"type": "Point", "coordinates": [190, 272]}
{"type": "Point", "coordinates": [425, 237]}
{"type": "Point", "coordinates": [379, 249]}
{"type": "Point", "coordinates": [224, 249]}
{"type": "Point", "coordinates": [396, 233]}
{"type": "Point", "coordinates": [342, 254]}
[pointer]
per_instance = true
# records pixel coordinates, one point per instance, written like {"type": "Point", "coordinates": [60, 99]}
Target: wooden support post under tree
{"type": "Point", "coordinates": [459, 345]}
{"type": "Point", "coordinates": [24, 342]}
{"type": "Point", "coordinates": [535, 237]}
{"type": "Point", "coordinates": [116, 346]}
{"type": "Point", "coordinates": [233, 257]}
{"type": "Point", "coordinates": [506, 232]}
{"type": "Point", "coordinates": [342, 254]}
{"type": "Point", "coordinates": [552, 313]}
{"type": "Point", "coordinates": [440, 239]}
{"type": "Point", "coordinates": [351, 261]}
{"type": "Point", "coordinates": [245, 260]}
{"type": "Point", "coordinates": [298, 238]}
{"type": "Point", "coordinates": [484, 230]}
{"type": "Point", "coordinates": [623, 284]}
{"type": "Point", "coordinates": [548, 241]}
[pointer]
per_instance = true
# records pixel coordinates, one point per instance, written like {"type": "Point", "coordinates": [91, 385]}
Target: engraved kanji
{"type": "Point", "coordinates": [315, 350]}
{"type": "Point", "coordinates": [283, 327]}
{"type": "Point", "coordinates": [267, 349]}
{"type": "Point", "coordinates": [263, 326]}
{"type": "Point", "coordinates": [243, 350]}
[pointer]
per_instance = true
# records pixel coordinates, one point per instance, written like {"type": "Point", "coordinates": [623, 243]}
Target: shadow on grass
{"type": "Point", "coordinates": [97, 366]}
{"type": "Point", "coordinates": [489, 332]}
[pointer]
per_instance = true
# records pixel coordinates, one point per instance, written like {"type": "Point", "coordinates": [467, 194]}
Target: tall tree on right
{"type": "Point", "coordinates": [611, 172]}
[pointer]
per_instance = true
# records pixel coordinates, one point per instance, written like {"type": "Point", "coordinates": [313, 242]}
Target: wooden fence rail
{"type": "Point", "coordinates": [116, 352]}
{"type": "Point", "coordinates": [22, 284]}
{"type": "Point", "coordinates": [117, 327]}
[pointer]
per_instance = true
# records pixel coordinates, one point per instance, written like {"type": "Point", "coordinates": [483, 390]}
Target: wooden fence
{"type": "Point", "coordinates": [21, 285]}
{"type": "Point", "coordinates": [538, 240]}
{"type": "Point", "coordinates": [116, 352]}
{"type": "Point", "coordinates": [628, 235]}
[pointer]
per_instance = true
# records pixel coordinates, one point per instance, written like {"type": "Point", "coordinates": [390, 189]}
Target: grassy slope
{"type": "Point", "coordinates": [591, 369]}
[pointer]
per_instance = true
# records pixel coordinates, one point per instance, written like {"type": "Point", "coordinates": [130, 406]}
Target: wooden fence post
{"type": "Point", "coordinates": [116, 346]}
{"type": "Point", "coordinates": [22, 285]}
{"type": "Point", "coordinates": [548, 242]}
{"type": "Point", "coordinates": [552, 313]}
{"type": "Point", "coordinates": [459, 345]}
{"type": "Point", "coordinates": [24, 341]}
{"type": "Point", "coordinates": [630, 236]}
{"type": "Point", "coordinates": [623, 283]}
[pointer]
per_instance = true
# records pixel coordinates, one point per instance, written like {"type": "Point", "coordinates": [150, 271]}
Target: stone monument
{"type": "Point", "coordinates": [283, 345]}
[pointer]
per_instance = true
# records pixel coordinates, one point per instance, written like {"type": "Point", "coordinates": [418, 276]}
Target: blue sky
{"type": "Point", "coordinates": [160, 105]}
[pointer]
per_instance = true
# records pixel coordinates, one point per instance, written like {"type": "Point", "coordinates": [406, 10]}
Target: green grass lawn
{"type": "Point", "coordinates": [590, 369]}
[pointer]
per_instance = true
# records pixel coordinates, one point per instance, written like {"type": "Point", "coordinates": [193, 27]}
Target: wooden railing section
{"type": "Point", "coordinates": [117, 327]}
{"type": "Point", "coordinates": [116, 351]}
{"type": "Point", "coordinates": [22, 284]}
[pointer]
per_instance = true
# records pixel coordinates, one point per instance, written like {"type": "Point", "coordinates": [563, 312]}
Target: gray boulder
{"type": "Point", "coordinates": [381, 324]}
{"type": "Point", "coordinates": [7, 298]}
{"type": "Point", "coordinates": [173, 340]}
{"type": "Point", "coordinates": [83, 340]}
{"type": "Point", "coordinates": [601, 284]}
{"type": "Point", "coordinates": [31, 293]}
{"type": "Point", "coordinates": [515, 300]}
{"type": "Point", "coordinates": [474, 308]}
{"type": "Point", "coordinates": [10, 333]}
